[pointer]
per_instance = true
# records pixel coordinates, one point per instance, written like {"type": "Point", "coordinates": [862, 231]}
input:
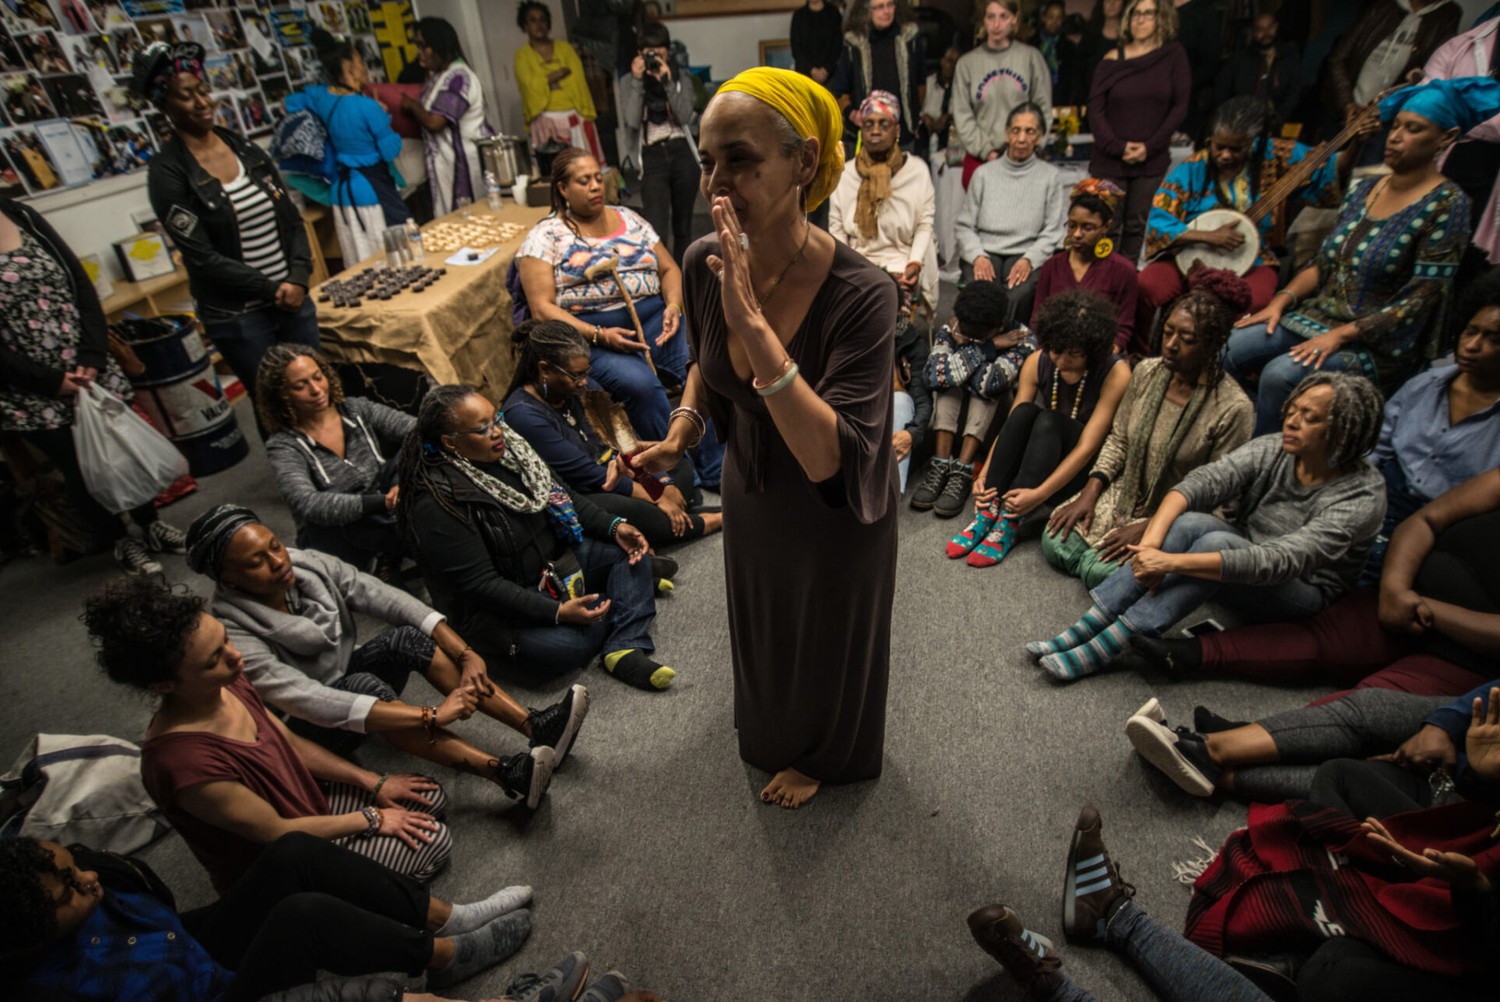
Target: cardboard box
{"type": "Point", "coordinates": [143, 256]}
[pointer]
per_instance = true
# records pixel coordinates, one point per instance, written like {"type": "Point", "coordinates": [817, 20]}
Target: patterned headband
{"type": "Point", "coordinates": [158, 65]}
{"type": "Point", "coordinates": [884, 102]}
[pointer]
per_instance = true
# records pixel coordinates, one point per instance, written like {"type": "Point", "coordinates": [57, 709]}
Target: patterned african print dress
{"type": "Point", "coordinates": [452, 158]}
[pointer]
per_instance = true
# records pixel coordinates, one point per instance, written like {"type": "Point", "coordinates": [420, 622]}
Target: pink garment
{"type": "Point", "coordinates": [1468, 55]}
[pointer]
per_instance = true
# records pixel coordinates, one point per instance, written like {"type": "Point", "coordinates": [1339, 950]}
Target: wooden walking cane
{"type": "Point", "coordinates": [611, 266]}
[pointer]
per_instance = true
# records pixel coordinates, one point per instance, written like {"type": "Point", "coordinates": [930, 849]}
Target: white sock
{"type": "Point", "coordinates": [466, 918]}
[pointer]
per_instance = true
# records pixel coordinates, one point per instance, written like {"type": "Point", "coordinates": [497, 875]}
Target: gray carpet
{"type": "Point", "coordinates": [652, 853]}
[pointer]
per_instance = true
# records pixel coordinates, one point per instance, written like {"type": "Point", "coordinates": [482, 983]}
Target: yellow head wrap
{"type": "Point", "coordinates": [813, 113]}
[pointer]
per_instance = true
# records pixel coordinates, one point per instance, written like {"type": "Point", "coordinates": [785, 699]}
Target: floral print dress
{"type": "Point", "coordinates": [39, 322]}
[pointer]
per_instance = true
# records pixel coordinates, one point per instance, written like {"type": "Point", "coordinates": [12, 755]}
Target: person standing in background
{"type": "Point", "coordinates": [1474, 161]}
{"type": "Point", "coordinates": [1264, 67]}
{"type": "Point", "coordinates": [1200, 27]}
{"type": "Point", "coordinates": [817, 39]}
{"type": "Point", "coordinates": [994, 78]}
{"type": "Point", "coordinates": [555, 98]}
{"type": "Point", "coordinates": [451, 113]}
{"type": "Point", "coordinates": [883, 50]}
{"type": "Point", "coordinates": [657, 106]}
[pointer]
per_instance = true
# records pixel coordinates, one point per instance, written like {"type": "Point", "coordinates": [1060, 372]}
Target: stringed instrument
{"type": "Point", "coordinates": [1243, 257]}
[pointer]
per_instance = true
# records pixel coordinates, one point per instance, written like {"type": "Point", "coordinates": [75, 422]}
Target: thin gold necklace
{"type": "Point", "coordinates": [761, 301]}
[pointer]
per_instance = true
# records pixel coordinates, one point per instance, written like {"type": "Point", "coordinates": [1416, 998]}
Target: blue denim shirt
{"type": "Point", "coordinates": [1434, 454]}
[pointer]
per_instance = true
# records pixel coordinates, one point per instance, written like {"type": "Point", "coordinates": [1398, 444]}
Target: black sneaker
{"type": "Point", "coordinates": [957, 491]}
{"type": "Point", "coordinates": [562, 983]}
{"type": "Point", "coordinates": [1178, 658]}
{"type": "Point", "coordinates": [1181, 754]}
{"type": "Point", "coordinates": [164, 538]}
{"type": "Point", "coordinates": [134, 560]}
{"type": "Point", "coordinates": [557, 725]}
{"type": "Point", "coordinates": [526, 775]}
{"type": "Point", "coordinates": [1093, 890]}
{"type": "Point", "coordinates": [1206, 721]}
{"type": "Point", "coordinates": [926, 494]}
{"type": "Point", "coordinates": [1028, 957]}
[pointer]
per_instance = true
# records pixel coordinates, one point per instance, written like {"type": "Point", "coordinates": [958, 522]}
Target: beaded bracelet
{"type": "Point", "coordinates": [614, 527]}
{"type": "Point", "coordinates": [781, 382]}
{"type": "Point", "coordinates": [429, 722]}
{"type": "Point", "coordinates": [372, 817]}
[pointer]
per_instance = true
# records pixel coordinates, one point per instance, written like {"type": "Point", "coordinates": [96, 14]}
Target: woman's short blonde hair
{"type": "Point", "coordinates": [1166, 20]}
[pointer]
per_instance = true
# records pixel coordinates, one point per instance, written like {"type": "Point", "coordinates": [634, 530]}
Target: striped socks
{"type": "Point", "coordinates": [1092, 623]}
{"type": "Point", "coordinates": [1089, 657]}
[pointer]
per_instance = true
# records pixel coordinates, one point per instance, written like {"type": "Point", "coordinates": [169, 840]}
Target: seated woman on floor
{"type": "Point", "coordinates": [1242, 161]}
{"type": "Point", "coordinates": [1374, 298]}
{"type": "Point", "coordinates": [1443, 426]}
{"type": "Point", "coordinates": [290, 613]}
{"type": "Point", "coordinates": [1088, 260]}
{"type": "Point", "coordinates": [544, 403]}
{"type": "Point", "coordinates": [1309, 507]}
{"type": "Point", "coordinates": [579, 264]}
{"type": "Point", "coordinates": [1012, 217]}
{"type": "Point", "coordinates": [1432, 627]}
{"type": "Point", "coordinates": [1178, 413]}
{"type": "Point", "coordinates": [509, 555]}
{"type": "Point", "coordinates": [334, 457]}
{"type": "Point", "coordinates": [1274, 759]}
{"type": "Point", "coordinates": [884, 204]}
{"type": "Point", "coordinates": [1066, 398]}
{"type": "Point", "coordinates": [228, 774]}
{"type": "Point", "coordinates": [92, 926]}
{"type": "Point", "coordinates": [977, 358]}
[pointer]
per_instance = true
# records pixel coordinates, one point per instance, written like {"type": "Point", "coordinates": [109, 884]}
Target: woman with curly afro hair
{"type": "Point", "coordinates": [1065, 401]}
{"type": "Point", "coordinates": [1178, 413]}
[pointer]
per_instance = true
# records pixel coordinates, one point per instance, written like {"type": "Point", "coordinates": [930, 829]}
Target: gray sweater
{"type": "Point", "coordinates": [988, 84]}
{"type": "Point", "coordinates": [323, 488]}
{"type": "Point", "coordinates": [292, 659]}
{"type": "Point", "coordinates": [1012, 208]}
{"type": "Point", "coordinates": [1319, 534]}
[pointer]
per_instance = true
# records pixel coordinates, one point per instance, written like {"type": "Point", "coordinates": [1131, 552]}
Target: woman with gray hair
{"type": "Point", "coordinates": [1309, 509]}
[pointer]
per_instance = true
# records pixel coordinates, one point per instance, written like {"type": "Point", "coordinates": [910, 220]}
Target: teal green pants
{"type": "Point", "coordinates": [1075, 556]}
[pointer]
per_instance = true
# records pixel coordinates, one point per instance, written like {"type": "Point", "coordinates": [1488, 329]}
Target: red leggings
{"type": "Point", "coordinates": [1344, 644]}
{"type": "Point", "coordinates": [1160, 283]}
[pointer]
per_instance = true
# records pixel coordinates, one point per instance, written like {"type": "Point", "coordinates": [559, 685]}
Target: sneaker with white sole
{"type": "Point", "coordinates": [563, 982]}
{"type": "Point", "coordinates": [133, 558]}
{"type": "Point", "coordinates": [164, 538]}
{"type": "Point", "coordinates": [525, 776]}
{"type": "Point", "coordinates": [557, 725]}
{"type": "Point", "coordinates": [1168, 750]}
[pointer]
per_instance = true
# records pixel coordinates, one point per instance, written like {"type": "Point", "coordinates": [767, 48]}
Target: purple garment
{"type": "Point", "coordinates": [1140, 100]}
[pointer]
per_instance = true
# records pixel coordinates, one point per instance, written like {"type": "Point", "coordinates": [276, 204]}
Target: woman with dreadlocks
{"type": "Point", "coordinates": [510, 556]}
{"type": "Point", "coordinates": [1178, 413]}
{"type": "Point", "coordinates": [1309, 507]}
{"type": "Point", "coordinates": [544, 403]}
{"type": "Point", "coordinates": [1242, 160]}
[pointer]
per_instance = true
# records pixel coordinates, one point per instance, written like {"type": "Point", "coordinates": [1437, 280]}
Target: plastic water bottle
{"type": "Point", "coordinates": [414, 240]}
{"type": "Point", "coordinates": [492, 189]}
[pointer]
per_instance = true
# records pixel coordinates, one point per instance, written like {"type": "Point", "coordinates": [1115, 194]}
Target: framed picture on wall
{"type": "Point", "coordinates": [777, 52]}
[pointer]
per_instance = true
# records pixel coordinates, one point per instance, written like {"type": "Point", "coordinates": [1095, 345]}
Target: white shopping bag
{"type": "Point", "coordinates": [125, 461]}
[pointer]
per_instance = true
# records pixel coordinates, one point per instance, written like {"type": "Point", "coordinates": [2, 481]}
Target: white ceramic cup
{"type": "Point", "coordinates": [518, 190]}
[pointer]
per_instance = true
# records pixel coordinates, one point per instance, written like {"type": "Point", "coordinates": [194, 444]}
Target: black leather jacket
{"type": "Point", "coordinates": [198, 216]}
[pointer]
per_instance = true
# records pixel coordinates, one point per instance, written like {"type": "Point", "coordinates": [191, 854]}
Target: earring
{"type": "Point", "coordinates": [544, 389]}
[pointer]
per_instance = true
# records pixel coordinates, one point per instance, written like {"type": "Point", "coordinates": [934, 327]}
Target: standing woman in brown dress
{"type": "Point", "coordinates": [791, 333]}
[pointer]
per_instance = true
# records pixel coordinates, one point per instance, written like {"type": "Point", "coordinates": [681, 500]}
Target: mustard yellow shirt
{"type": "Point", "coordinates": [571, 92]}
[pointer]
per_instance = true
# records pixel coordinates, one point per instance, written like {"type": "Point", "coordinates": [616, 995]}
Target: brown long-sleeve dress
{"type": "Point", "coordinates": [810, 569]}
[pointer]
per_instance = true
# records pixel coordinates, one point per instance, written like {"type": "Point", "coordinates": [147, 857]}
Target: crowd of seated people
{"type": "Point", "coordinates": [1280, 443]}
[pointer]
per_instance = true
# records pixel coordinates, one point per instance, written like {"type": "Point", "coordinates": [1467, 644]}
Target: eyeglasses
{"type": "Point", "coordinates": [577, 378]}
{"type": "Point", "coordinates": [484, 429]}
{"type": "Point", "coordinates": [1144, 15]}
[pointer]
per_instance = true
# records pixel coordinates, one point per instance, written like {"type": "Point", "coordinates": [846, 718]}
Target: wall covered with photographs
{"type": "Point", "coordinates": [67, 117]}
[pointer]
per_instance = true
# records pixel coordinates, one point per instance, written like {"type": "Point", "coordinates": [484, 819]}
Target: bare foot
{"type": "Point", "coordinates": [790, 789]}
{"type": "Point", "coordinates": [712, 523]}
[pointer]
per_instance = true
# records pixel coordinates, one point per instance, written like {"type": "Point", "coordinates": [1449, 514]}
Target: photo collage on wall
{"type": "Point", "coordinates": [67, 116]}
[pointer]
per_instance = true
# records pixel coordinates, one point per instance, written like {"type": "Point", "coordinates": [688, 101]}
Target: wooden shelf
{"type": "Point", "coordinates": [152, 293]}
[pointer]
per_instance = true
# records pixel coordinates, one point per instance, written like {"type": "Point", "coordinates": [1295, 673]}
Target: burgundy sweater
{"type": "Point", "coordinates": [1140, 100]}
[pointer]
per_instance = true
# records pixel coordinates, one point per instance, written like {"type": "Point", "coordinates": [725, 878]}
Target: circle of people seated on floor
{"type": "Point", "coordinates": [1283, 453]}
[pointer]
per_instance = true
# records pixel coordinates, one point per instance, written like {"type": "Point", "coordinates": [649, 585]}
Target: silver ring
{"type": "Point", "coordinates": [744, 241]}
{"type": "Point", "coordinates": [1317, 351]}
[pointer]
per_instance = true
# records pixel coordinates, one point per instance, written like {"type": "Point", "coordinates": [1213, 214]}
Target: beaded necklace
{"type": "Point", "coordinates": [1077, 396]}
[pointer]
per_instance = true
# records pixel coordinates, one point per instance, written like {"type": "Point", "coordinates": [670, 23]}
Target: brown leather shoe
{"type": "Point", "coordinates": [1093, 884]}
{"type": "Point", "coordinates": [1029, 957]}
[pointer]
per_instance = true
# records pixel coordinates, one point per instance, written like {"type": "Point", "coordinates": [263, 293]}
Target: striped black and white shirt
{"type": "Point", "coordinates": [260, 241]}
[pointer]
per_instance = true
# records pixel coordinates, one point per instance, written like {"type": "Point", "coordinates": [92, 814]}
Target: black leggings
{"type": "Point", "coordinates": [1031, 443]}
{"type": "Point", "coordinates": [57, 445]}
{"type": "Point", "coordinates": [1347, 970]}
{"type": "Point", "coordinates": [307, 905]}
{"type": "Point", "coordinates": [648, 518]}
{"type": "Point", "coordinates": [1363, 789]}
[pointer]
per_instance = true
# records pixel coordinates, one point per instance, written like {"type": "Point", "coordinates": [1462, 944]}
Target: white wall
{"type": "Point", "coordinates": [93, 217]}
{"type": "Point", "coordinates": [729, 44]}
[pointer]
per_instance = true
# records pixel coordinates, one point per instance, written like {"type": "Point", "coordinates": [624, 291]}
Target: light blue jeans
{"type": "Point", "coordinates": [1249, 349]}
{"type": "Point", "coordinates": [904, 409]}
{"type": "Point", "coordinates": [1194, 532]}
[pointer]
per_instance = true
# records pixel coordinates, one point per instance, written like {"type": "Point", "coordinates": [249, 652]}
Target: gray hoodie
{"type": "Point", "coordinates": [293, 659]}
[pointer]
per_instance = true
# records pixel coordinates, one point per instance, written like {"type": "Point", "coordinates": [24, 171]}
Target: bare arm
{"type": "Point", "coordinates": [1094, 432]}
{"type": "Point", "coordinates": [324, 764]}
{"type": "Point", "coordinates": [236, 808]}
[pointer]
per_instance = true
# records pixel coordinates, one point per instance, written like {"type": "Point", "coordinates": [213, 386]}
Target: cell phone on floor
{"type": "Point", "coordinates": [1204, 627]}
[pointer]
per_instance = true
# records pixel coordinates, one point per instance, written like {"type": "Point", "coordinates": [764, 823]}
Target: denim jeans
{"type": "Point", "coordinates": [1176, 969]}
{"type": "Point", "coordinates": [631, 592]}
{"type": "Point", "coordinates": [1194, 532]}
{"type": "Point", "coordinates": [627, 377]}
{"type": "Point", "coordinates": [243, 338]}
{"type": "Point", "coordinates": [1250, 349]}
{"type": "Point", "coordinates": [902, 412]}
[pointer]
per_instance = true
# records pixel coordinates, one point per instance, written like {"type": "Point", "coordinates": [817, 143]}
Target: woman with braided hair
{"type": "Point", "coordinates": [1309, 507]}
{"type": "Point", "coordinates": [510, 556]}
{"type": "Point", "coordinates": [1178, 413]}
{"type": "Point", "coordinates": [544, 403]}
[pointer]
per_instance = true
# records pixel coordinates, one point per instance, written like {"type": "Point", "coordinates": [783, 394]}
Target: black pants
{"type": "Point", "coordinates": [57, 445]}
{"type": "Point", "coordinates": [650, 519]}
{"type": "Point", "coordinates": [1347, 970]}
{"type": "Point", "coordinates": [307, 905]}
{"type": "Point", "coordinates": [1129, 226]}
{"type": "Point", "coordinates": [380, 667]}
{"type": "Point", "coordinates": [1364, 789]}
{"type": "Point", "coordinates": [1032, 442]}
{"type": "Point", "coordinates": [669, 188]}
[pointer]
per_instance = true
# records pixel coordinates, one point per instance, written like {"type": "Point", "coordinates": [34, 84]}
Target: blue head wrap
{"type": "Point", "coordinates": [1460, 103]}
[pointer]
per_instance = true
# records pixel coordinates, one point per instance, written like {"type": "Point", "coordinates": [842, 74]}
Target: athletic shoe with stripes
{"type": "Point", "coordinates": [1093, 889]}
{"type": "Point", "coordinates": [1029, 957]}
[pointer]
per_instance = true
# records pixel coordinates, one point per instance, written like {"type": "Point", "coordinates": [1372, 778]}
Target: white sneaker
{"type": "Point", "coordinates": [133, 558]}
{"type": "Point", "coordinates": [1157, 744]}
{"type": "Point", "coordinates": [1152, 708]}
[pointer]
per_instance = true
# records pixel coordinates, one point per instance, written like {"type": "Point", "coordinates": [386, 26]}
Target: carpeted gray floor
{"type": "Point", "coordinates": [652, 853]}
